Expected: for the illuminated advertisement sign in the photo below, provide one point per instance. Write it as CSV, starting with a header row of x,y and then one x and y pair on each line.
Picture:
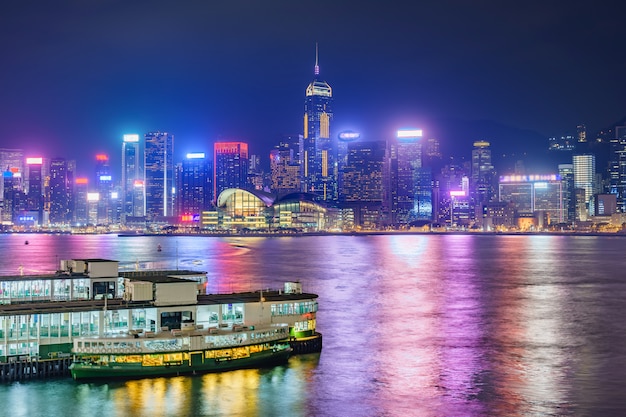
x,y
349,135
138,183
93,197
105,178
409,133
81,181
195,155
102,157
131,138
459,193
26,218
530,178
190,218
34,161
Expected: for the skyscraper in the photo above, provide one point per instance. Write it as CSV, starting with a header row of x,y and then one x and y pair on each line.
x,y
319,159
60,192
194,191
483,187
159,174
230,161
584,175
131,172
34,202
285,165
11,160
104,186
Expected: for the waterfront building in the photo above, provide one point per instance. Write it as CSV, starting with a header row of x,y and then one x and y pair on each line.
x,y
605,204
402,179
195,188
34,200
231,163
60,192
345,139
11,160
80,210
104,187
617,167
362,183
159,175
483,174
13,196
536,195
319,157
285,165
131,173
566,172
584,178
42,315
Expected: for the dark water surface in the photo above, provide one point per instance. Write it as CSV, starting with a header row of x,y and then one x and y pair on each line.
x,y
413,325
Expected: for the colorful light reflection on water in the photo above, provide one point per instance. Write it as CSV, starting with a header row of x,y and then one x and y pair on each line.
x,y
424,325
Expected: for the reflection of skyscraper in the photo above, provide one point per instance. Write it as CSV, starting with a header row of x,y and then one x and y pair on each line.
x,y
230,161
131,172
319,170
159,174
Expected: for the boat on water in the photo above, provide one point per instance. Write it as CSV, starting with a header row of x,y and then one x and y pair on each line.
x,y
190,350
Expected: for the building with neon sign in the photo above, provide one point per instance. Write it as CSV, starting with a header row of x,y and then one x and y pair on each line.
x,y
230,161
194,187
538,195
159,174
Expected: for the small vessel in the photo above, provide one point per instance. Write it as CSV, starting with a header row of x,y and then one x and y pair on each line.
x,y
26,242
189,350
159,248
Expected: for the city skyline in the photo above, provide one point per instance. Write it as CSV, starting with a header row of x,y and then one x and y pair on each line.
x,y
80,76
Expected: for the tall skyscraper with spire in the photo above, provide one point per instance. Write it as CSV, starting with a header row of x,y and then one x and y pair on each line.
x,y
319,159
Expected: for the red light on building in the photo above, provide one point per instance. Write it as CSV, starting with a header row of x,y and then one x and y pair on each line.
x,y
81,181
102,157
14,170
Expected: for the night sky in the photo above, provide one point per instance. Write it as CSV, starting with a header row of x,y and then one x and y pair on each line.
x,y
76,75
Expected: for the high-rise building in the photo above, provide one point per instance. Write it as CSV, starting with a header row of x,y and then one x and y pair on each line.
x,y
584,178
194,191
617,167
80,210
566,172
533,195
34,202
362,185
285,165
319,159
402,182
13,195
131,172
159,174
104,186
345,139
230,162
60,192
483,187
11,160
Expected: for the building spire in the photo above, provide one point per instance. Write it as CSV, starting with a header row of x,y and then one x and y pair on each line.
x,y
317,67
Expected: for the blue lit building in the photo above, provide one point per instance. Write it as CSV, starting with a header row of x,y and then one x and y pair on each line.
x,y
194,191
131,176
319,159
159,174
60,192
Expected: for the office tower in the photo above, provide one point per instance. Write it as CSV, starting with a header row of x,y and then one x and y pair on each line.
x,y
617,167
11,160
345,139
34,200
256,176
194,192
319,170
230,162
285,165
566,172
104,186
483,185
584,176
159,174
60,192
403,162
13,196
362,184
80,210
131,172
537,195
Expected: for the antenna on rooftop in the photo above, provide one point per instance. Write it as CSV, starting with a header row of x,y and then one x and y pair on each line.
x,y
317,67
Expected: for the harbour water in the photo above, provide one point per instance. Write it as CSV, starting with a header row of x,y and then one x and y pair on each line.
x,y
413,325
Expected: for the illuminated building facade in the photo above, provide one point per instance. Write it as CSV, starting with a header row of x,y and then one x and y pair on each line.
x,y
584,178
131,173
362,183
11,160
230,161
13,196
81,190
539,195
402,179
60,191
104,186
285,165
566,172
195,187
617,167
159,174
483,187
319,157
34,201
